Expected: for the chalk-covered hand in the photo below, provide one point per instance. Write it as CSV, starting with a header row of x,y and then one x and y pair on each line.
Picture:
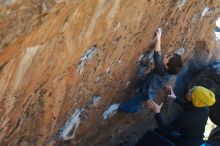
x,y
153,106
158,33
171,95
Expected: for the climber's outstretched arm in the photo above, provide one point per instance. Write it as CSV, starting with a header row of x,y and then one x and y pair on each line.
x,y
158,40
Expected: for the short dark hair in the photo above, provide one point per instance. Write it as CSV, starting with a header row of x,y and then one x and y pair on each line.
x,y
175,64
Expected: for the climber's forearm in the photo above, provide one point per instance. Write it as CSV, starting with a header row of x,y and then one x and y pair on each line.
x,y
158,40
158,46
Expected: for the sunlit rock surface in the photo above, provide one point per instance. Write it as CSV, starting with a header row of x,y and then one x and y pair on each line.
x,y
57,55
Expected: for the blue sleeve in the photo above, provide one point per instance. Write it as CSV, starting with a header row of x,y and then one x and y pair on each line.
x,y
160,68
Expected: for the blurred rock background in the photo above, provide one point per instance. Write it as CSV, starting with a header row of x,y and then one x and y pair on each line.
x,y
56,55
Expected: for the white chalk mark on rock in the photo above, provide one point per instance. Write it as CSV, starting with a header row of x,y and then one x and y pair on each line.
x,y
141,57
87,56
71,126
111,110
218,23
146,58
205,11
128,83
117,26
195,17
181,4
180,51
95,100
98,79
108,69
217,29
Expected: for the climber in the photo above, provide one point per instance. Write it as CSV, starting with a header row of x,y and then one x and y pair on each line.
x,y
165,68
188,127
209,78
198,61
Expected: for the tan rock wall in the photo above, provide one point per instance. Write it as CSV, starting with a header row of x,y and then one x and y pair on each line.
x,y
44,76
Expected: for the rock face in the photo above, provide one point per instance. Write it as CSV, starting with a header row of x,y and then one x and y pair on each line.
x,y
64,62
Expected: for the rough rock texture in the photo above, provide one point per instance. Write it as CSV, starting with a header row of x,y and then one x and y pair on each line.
x,y
56,55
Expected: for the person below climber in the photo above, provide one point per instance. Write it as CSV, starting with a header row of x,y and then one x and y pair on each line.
x,y
188,127
165,68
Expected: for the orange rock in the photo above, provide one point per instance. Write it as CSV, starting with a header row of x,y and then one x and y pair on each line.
x,y
41,45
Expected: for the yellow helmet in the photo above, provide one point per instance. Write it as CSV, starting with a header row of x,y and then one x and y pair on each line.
x,y
202,97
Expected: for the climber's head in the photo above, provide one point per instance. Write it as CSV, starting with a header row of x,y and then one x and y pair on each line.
x,y
173,62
